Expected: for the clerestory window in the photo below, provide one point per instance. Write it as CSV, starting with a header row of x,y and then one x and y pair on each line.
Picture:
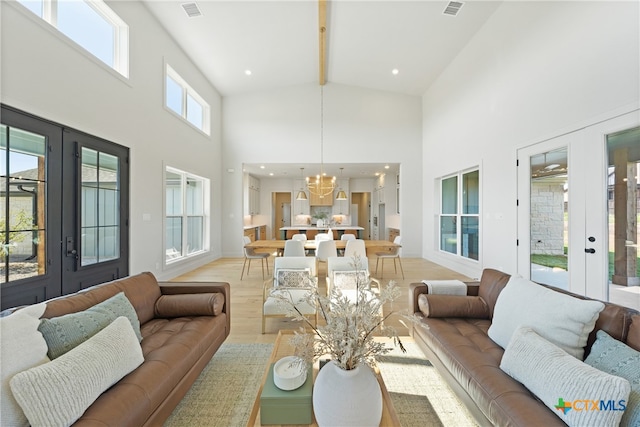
x,y
183,100
92,25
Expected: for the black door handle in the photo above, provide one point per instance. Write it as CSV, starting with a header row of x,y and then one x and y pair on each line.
x,y
590,250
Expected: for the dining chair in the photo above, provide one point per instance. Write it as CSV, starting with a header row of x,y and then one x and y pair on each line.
x,y
249,254
346,236
293,278
323,236
293,248
393,254
325,250
300,236
355,247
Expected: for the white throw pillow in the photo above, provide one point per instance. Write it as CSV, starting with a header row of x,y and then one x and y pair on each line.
x,y
22,347
57,393
562,319
579,394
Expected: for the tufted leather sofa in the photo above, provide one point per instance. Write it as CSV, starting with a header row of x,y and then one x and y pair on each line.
x,y
460,348
178,342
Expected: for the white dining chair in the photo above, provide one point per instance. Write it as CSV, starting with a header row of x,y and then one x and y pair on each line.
x,y
294,248
348,236
355,247
300,236
323,236
249,254
393,254
325,250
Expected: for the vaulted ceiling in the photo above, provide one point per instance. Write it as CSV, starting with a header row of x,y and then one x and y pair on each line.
x,y
247,46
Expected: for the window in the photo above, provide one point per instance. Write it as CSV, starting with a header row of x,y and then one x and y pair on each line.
x,y
186,213
90,24
185,102
459,214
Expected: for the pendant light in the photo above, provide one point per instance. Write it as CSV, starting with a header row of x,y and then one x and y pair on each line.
x,y
322,185
301,194
341,194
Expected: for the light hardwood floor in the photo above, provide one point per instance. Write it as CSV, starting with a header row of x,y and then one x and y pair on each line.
x,y
246,294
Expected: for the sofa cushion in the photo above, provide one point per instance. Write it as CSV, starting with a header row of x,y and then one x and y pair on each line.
x,y
23,347
349,280
616,358
142,291
453,306
562,319
66,332
293,277
58,393
566,385
205,304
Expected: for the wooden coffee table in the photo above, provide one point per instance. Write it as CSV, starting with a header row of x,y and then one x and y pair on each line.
x,y
281,349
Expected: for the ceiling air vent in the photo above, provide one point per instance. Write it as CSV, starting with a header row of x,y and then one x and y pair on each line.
x,y
192,9
453,8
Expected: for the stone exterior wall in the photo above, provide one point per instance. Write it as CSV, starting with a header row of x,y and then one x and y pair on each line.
x,y
547,217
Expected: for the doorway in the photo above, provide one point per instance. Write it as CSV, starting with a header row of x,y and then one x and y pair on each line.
x,y
577,209
64,209
361,212
282,214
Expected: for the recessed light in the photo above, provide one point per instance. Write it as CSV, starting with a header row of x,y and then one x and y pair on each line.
x,y
395,71
247,72
270,173
386,166
262,166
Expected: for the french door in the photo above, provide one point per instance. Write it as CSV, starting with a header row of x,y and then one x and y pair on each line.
x,y
568,221
64,209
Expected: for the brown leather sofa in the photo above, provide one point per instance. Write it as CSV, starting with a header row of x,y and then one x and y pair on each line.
x,y
177,344
459,347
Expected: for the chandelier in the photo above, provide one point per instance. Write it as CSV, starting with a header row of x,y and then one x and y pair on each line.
x,y
321,185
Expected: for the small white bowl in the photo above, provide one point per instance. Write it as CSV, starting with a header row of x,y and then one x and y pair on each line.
x,y
287,374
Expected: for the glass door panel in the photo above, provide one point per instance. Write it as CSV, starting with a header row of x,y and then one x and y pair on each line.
x,y
549,200
99,207
623,149
22,204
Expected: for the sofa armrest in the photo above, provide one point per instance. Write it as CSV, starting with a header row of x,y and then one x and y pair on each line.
x,y
415,289
176,288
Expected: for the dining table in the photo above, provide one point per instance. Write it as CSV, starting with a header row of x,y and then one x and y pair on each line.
x,y
371,246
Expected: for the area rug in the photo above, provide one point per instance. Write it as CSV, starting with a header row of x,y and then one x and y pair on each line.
x,y
224,393
420,396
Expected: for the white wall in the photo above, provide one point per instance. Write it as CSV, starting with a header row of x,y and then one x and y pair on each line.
x,y
283,126
535,70
46,75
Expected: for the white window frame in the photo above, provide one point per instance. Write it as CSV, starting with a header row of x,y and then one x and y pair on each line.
x,y
172,256
187,90
120,31
459,214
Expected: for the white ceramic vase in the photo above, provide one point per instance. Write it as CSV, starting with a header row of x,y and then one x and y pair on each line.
x,y
347,398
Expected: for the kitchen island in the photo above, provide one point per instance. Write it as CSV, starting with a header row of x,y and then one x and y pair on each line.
x,y
312,230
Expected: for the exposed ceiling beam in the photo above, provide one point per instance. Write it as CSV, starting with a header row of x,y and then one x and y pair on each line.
x,y
322,25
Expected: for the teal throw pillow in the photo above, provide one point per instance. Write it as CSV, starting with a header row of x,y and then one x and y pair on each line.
x,y
66,332
616,358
